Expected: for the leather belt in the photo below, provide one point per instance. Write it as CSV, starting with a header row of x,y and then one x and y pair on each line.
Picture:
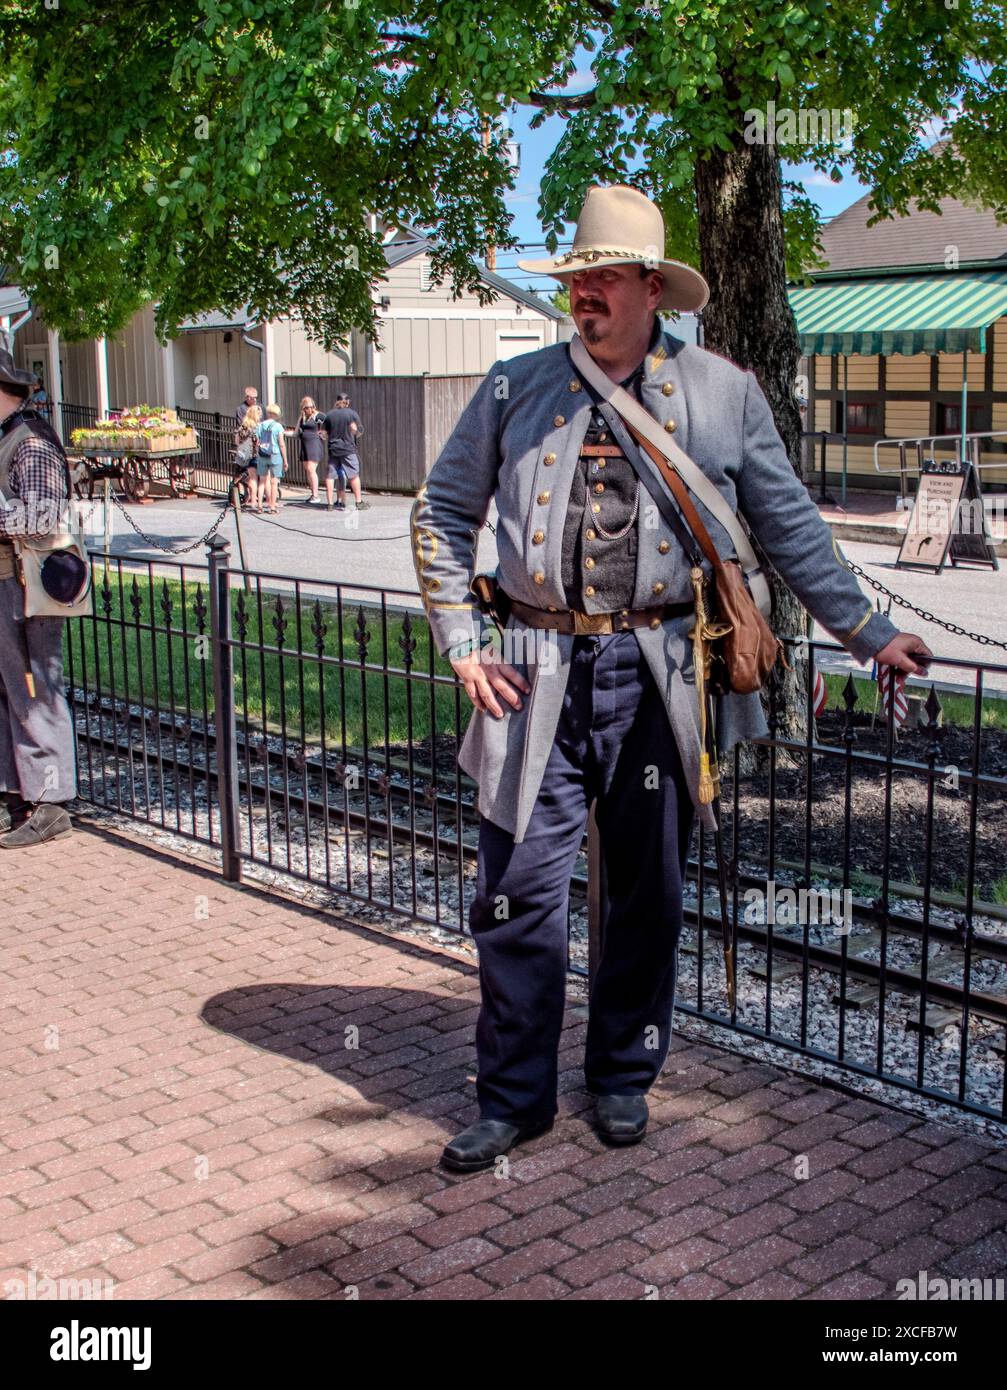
x,y
573,620
609,451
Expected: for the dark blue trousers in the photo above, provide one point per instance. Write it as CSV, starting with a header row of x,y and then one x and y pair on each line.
x,y
613,743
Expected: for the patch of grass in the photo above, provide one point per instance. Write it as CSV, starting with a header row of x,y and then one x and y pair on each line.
x,y
958,709
998,890
296,665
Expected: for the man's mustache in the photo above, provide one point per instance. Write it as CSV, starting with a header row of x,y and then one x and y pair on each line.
x,y
591,306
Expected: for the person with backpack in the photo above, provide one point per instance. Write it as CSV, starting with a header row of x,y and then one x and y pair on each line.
x,y
271,459
246,437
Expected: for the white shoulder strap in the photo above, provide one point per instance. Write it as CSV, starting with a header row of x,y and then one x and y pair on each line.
x,y
689,472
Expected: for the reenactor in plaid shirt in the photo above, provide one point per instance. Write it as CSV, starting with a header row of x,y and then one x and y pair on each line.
x,y
37,773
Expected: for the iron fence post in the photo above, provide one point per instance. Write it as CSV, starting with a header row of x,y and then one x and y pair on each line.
x,y
218,559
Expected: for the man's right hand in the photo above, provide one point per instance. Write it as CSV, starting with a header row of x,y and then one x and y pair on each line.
x,y
484,679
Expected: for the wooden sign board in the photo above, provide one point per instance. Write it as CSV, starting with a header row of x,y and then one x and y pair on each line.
x,y
948,520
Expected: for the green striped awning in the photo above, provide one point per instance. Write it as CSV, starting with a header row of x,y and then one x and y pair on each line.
x,y
900,313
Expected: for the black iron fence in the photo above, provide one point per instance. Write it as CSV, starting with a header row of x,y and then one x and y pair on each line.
x,y
76,417
214,469
311,728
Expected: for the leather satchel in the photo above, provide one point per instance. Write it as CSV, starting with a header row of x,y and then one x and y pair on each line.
x,y
55,576
744,655
52,567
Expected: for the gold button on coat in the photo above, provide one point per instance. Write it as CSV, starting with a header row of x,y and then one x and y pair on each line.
x,y
589,590
559,420
539,577
668,388
589,563
670,426
549,458
591,533
542,497
664,547
655,622
658,588
595,507
538,538
599,487
575,385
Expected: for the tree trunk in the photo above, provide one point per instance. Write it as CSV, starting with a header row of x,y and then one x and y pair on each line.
x,y
748,319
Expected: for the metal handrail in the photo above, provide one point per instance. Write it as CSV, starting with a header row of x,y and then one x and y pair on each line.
x,y
929,442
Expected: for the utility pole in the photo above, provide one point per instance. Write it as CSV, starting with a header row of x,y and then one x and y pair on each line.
x,y
491,251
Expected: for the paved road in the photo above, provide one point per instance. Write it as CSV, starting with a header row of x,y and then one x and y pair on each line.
x,y
366,548
372,548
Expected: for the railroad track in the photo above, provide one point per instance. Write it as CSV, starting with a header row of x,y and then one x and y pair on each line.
x,y
320,795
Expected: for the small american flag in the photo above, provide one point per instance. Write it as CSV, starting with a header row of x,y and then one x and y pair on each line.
x,y
885,688
819,696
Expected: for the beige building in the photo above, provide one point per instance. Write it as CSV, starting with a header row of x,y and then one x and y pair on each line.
x,y
424,332
907,324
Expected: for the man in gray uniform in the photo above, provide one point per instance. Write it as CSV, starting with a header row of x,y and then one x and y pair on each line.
x,y
591,559
37,770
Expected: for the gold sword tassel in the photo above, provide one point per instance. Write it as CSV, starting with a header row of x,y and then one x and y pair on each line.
x,y
704,632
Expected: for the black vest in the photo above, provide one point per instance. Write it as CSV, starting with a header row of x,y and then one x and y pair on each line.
x,y
604,498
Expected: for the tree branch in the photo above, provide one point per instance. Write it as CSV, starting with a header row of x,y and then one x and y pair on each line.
x,y
583,101
403,38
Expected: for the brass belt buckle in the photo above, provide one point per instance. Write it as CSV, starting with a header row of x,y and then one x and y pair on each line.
x,y
586,623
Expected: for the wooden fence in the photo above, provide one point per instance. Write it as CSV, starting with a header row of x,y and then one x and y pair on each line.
x,y
406,419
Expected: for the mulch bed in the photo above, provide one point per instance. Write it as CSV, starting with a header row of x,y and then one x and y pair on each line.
x,y
951,836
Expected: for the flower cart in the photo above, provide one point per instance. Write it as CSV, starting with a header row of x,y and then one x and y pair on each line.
x,y
135,447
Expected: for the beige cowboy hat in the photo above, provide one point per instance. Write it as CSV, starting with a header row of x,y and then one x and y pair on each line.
x,y
619,225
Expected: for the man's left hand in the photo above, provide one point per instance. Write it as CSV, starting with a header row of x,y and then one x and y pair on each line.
x,y
901,651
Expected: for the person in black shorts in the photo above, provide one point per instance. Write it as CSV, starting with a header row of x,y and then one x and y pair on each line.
x,y
344,429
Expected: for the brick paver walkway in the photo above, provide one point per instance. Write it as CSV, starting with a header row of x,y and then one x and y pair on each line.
x,y
184,1113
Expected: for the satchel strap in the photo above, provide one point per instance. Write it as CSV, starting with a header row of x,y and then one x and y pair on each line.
x,y
682,498
643,423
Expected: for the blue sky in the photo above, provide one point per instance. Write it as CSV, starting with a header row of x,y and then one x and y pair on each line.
x,y
536,146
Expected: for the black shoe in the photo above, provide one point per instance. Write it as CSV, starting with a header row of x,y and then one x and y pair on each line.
x,y
13,810
621,1119
46,822
481,1144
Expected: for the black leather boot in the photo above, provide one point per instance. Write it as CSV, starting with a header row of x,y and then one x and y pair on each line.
x,y
482,1143
621,1119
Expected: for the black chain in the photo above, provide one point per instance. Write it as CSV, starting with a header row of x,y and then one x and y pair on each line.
x,y
177,549
979,637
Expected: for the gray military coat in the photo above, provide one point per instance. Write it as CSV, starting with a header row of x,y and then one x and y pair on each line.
x,y
518,440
